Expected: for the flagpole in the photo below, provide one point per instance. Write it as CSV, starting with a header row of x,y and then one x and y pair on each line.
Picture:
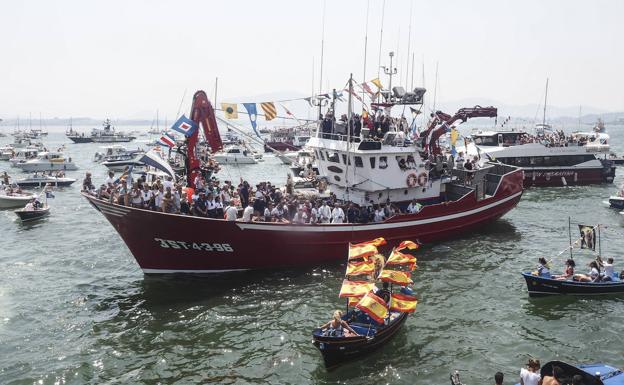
x,y
365,50
383,11
322,51
435,89
570,234
349,125
409,41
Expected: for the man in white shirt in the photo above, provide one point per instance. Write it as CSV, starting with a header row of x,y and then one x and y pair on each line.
x,y
337,214
313,214
380,214
324,213
230,213
168,183
248,213
110,181
608,269
414,207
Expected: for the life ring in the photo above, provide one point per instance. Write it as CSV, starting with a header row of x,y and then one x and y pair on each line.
x,y
412,179
422,179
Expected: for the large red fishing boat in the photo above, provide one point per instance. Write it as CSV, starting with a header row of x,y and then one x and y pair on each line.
x,y
358,169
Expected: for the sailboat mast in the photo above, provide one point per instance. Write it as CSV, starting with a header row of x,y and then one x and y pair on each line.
x,y
365,50
322,51
349,127
545,100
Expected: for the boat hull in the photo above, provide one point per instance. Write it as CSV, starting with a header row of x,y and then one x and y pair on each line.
x,y
170,243
548,177
35,167
7,202
113,139
616,202
336,351
59,182
542,286
235,160
26,216
81,139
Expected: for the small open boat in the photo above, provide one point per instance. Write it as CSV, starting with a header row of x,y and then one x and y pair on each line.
x,y
375,317
542,286
589,374
42,180
8,201
31,215
617,202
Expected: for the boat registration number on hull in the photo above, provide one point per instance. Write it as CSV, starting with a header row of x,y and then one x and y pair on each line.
x,y
181,245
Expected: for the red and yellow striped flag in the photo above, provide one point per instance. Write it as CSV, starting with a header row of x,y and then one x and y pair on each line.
x,y
374,306
353,301
403,303
398,258
270,112
362,250
355,288
360,268
407,244
375,242
394,276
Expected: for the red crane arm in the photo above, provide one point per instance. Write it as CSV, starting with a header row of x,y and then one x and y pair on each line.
x,y
203,115
462,114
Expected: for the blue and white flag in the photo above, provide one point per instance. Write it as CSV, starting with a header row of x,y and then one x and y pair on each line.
x,y
49,195
185,126
253,115
151,158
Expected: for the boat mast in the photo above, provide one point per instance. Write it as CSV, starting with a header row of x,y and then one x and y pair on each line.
x,y
545,100
322,51
383,11
349,125
409,41
365,49
570,234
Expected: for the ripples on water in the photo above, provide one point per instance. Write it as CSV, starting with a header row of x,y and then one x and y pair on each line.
x,y
75,308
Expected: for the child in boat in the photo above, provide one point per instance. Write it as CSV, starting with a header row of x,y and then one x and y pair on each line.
x,y
542,268
338,327
593,276
569,271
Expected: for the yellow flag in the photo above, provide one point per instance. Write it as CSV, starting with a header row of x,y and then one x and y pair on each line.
x,y
374,306
360,268
394,276
377,83
355,288
269,110
454,135
361,251
403,303
230,110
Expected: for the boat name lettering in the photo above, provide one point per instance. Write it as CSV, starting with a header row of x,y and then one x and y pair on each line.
x,y
170,244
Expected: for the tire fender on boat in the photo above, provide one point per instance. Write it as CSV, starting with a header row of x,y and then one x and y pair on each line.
x,y
412,179
422,179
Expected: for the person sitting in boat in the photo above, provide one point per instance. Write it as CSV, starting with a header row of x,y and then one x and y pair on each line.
x,y
30,206
542,268
592,276
414,207
384,292
555,378
569,271
338,327
608,270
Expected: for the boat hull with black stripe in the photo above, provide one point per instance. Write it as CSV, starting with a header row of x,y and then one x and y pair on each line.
x,y
543,286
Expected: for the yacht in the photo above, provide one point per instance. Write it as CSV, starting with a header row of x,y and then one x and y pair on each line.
x,y
236,155
48,161
24,155
117,157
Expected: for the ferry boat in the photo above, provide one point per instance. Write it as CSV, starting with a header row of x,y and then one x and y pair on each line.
x,y
359,170
579,159
48,161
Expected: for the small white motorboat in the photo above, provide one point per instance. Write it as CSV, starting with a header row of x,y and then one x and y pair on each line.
x,y
235,155
23,155
12,200
42,180
48,161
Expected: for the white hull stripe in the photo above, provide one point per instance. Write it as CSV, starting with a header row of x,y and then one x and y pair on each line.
x,y
112,213
377,226
172,271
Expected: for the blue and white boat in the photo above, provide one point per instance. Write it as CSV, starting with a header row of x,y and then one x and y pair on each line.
x,y
546,285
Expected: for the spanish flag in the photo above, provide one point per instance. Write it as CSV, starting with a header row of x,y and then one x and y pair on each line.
x,y
407,244
403,303
360,268
394,276
355,288
353,301
375,242
269,110
374,306
230,110
377,83
361,251
398,258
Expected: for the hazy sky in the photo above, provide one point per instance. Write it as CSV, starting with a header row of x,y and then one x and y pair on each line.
x,y
129,58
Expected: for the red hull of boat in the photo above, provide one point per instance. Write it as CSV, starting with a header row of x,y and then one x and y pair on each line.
x,y
573,177
170,243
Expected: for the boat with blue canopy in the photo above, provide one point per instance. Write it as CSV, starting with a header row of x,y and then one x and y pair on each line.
x,y
373,315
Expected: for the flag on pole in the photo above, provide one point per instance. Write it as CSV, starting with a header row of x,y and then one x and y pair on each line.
x,y
360,268
367,88
374,306
407,244
403,303
270,112
151,158
377,83
49,195
588,237
355,288
230,110
398,258
395,276
375,242
185,126
454,136
167,140
253,116
361,251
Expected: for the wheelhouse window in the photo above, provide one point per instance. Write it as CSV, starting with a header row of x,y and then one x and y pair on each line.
x,y
320,153
383,162
333,157
372,161
358,161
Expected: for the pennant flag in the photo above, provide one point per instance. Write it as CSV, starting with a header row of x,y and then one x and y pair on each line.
x,y
360,268
151,158
230,110
309,100
377,83
185,126
253,116
49,194
355,95
167,140
588,237
363,251
407,244
355,288
415,111
394,276
398,258
454,136
367,88
375,242
403,303
338,95
269,110
374,306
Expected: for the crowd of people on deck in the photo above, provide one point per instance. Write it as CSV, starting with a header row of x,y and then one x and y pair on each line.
x,y
378,125
556,138
599,271
212,199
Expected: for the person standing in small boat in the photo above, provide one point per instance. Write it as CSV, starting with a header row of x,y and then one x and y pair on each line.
x,y
530,375
337,326
608,270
